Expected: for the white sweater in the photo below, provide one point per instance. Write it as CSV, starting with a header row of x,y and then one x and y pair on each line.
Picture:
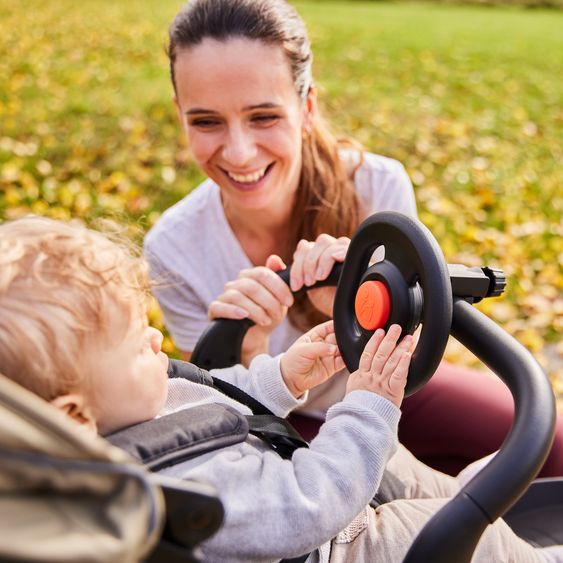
x,y
193,250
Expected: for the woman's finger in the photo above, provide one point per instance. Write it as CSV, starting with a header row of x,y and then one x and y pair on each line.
x,y
270,281
297,274
311,259
336,252
275,263
225,304
221,310
262,307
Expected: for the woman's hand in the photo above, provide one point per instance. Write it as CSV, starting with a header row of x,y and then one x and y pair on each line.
x,y
311,359
384,365
312,262
260,295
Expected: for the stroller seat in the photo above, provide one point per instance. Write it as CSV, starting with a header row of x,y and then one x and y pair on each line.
x,y
67,496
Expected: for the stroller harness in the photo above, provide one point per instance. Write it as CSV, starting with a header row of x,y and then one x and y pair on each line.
x,y
191,432
195,431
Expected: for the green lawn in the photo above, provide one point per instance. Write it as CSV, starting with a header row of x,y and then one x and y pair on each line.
x,y
469,98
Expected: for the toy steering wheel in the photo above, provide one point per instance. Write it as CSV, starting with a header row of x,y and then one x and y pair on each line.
x,y
411,285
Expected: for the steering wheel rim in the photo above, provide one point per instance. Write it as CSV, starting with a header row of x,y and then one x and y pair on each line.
x,y
412,251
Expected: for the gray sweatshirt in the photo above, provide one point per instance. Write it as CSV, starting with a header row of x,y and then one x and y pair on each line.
x,y
276,508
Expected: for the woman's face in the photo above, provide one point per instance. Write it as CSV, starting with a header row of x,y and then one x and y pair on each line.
x,y
243,120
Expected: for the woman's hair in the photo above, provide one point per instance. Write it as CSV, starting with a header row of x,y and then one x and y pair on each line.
x,y
326,200
61,285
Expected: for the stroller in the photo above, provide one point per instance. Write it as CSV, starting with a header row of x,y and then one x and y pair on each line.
x,y
69,497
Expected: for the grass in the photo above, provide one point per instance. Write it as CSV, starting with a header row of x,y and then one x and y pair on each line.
x,y
468,98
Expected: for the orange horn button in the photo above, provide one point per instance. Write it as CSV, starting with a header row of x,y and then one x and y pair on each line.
x,y
372,305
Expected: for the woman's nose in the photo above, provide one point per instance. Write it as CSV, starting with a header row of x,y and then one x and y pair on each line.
x,y
239,148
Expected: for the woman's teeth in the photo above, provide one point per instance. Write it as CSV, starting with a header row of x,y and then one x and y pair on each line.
x,y
248,178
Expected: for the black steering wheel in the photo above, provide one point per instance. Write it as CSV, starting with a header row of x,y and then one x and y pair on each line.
x,y
410,286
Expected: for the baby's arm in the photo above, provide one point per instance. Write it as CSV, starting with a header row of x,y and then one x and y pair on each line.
x,y
281,508
311,359
281,383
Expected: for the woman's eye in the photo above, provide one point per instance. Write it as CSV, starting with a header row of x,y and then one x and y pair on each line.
x,y
204,123
265,119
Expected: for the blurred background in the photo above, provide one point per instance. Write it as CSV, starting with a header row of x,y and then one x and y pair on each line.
x,y
469,96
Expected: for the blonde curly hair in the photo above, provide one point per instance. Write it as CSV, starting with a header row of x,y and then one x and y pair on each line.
x,y
60,286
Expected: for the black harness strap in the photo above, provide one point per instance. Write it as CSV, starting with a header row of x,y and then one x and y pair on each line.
x,y
277,432
241,396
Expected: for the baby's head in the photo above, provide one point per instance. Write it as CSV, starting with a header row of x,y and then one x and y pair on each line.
x,y
73,326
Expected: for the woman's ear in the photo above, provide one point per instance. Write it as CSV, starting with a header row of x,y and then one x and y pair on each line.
x,y
310,109
74,406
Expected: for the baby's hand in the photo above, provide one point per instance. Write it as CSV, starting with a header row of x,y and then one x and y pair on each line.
x,y
384,365
311,359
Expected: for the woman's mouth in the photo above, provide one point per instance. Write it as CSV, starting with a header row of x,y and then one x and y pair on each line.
x,y
251,179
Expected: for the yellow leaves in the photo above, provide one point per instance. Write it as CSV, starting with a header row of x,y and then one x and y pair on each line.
x,y
156,319
519,113
530,129
12,196
44,167
530,339
88,128
116,181
168,174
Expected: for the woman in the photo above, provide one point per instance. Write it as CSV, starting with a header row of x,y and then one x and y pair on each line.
x,y
281,189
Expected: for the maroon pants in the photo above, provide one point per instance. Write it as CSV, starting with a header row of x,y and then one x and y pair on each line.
x,y
459,416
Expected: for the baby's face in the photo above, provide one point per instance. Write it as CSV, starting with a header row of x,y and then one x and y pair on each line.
x,y
129,376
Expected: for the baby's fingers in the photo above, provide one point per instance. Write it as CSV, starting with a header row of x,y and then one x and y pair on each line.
x,y
385,349
318,350
404,346
370,350
398,378
323,331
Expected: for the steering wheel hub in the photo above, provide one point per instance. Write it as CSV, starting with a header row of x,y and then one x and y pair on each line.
x,y
372,305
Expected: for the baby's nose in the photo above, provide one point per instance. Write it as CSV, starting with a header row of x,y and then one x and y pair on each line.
x,y
156,338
